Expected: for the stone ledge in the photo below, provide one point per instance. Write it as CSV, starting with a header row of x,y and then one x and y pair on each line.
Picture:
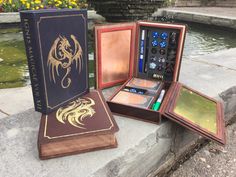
x,y
14,17
2,115
144,149
19,156
156,148
183,152
198,17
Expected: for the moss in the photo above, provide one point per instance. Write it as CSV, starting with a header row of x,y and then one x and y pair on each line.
x,y
91,82
12,53
10,30
13,64
11,73
91,66
11,84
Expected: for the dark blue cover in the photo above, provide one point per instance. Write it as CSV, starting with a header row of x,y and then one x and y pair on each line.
x,y
56,47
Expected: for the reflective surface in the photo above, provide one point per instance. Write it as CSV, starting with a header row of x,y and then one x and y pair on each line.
x,y
202,40
115,55
133,99
13,64
143,83
197,109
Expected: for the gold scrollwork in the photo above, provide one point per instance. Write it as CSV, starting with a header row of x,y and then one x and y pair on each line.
x,y
76,111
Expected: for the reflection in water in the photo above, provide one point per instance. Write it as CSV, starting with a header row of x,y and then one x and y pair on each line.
x,y
197,109
202,39
13,66
13,63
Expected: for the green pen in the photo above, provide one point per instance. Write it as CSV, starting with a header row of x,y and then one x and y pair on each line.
x,y
157,105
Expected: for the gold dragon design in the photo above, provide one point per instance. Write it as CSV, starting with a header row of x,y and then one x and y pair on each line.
x,y
76,111
63,55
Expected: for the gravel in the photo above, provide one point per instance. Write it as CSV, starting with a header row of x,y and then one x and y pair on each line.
x,y
212,160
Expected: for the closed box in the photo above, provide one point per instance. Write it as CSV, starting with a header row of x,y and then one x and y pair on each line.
x,y
56,48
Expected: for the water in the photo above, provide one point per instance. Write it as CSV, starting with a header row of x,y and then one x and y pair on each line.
x,y
13,65
203,39
200,40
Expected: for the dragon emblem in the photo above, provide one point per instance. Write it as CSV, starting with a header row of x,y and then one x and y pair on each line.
x,y
62,55
76,111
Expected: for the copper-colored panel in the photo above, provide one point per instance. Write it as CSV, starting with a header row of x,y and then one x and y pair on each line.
x,y
144,84
132,99
115,55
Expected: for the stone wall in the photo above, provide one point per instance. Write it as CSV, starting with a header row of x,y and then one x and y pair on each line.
x,y
197,3
123,10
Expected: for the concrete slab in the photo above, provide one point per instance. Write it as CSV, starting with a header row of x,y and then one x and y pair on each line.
x,y
144,148
211,74
223,12
137,142
207,78
224,58
2,115
14,17
224,17
229,98
212,160
15,100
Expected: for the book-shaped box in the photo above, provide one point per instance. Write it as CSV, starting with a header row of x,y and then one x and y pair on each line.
x,y
146,57
85,124
56,48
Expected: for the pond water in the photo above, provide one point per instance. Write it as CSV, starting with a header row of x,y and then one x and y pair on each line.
x,y
200,40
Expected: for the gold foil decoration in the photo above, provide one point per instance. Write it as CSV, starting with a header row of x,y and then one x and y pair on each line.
x,y
197,109
76,111
62,55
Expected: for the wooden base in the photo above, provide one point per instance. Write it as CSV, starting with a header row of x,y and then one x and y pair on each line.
x,y
75,146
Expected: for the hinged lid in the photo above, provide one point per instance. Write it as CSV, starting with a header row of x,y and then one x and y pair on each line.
x,y
118,52
196,112
114,53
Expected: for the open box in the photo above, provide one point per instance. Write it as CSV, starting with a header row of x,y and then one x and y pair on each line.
x,y
145,57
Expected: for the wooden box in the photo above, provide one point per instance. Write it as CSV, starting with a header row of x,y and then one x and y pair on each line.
x,y
75,119
140,55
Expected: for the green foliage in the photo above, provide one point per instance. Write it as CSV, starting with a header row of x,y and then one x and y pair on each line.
x,y
17,5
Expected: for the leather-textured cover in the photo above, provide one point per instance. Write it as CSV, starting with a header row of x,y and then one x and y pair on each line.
x,y
56,47
86,116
